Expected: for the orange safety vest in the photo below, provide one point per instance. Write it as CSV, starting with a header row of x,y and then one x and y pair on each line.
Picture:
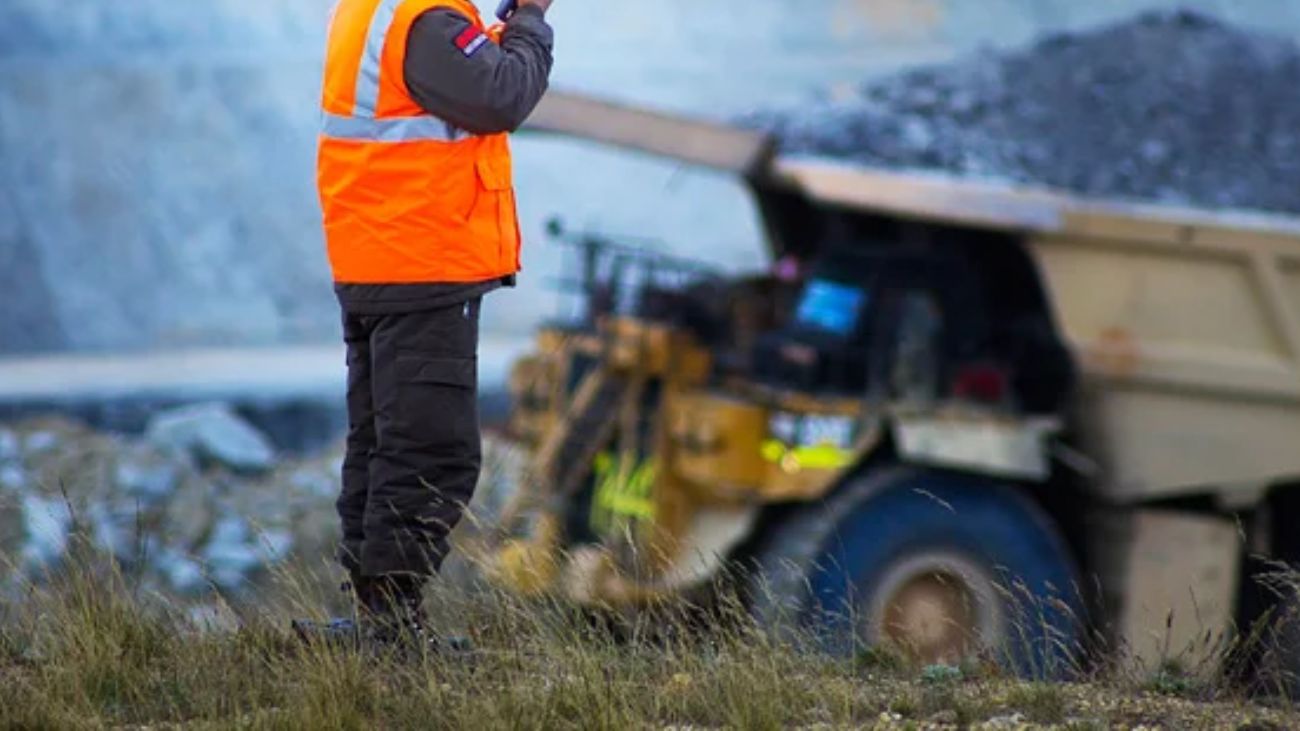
x,y
407,197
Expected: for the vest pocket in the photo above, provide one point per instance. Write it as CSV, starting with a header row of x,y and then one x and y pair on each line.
x,y
497,178
493,174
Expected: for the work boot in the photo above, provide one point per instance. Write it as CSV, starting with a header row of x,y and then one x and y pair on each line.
x,y
394,617
394,620
340,632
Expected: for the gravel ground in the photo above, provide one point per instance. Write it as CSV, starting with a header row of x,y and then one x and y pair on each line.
x,y
1174,107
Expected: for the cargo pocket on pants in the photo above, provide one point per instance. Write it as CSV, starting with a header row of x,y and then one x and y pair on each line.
x,y
438,391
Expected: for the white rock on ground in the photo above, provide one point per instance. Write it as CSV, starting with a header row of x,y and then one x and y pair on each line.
x,y
40,442
145,475
213,433
10,448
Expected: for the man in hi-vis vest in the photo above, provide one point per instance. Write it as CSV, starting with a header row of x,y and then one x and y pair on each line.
x,y
415,183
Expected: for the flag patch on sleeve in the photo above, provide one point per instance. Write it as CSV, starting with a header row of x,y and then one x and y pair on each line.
x,y
470,40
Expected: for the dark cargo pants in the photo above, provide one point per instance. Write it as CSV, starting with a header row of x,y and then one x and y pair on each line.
x,y
413,451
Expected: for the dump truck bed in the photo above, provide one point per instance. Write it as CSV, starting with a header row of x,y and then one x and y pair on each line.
x,y
1185,323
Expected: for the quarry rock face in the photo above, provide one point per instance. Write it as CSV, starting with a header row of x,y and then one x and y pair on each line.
x,y
156,175
1173,107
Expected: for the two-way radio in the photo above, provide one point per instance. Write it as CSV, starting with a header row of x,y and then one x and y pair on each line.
x,y
506,9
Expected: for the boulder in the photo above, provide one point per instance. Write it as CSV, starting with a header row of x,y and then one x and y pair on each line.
x,y
213,434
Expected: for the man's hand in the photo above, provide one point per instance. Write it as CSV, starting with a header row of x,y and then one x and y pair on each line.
x,y
542,5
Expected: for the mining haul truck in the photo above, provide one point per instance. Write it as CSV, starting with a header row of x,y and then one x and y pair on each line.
x,y
956,418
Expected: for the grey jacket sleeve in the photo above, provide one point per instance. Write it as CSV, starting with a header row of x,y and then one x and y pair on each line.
x,y
475,84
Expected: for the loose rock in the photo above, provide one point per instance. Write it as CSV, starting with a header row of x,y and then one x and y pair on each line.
x,y
213,433
12,477
40,442
145,475
47,522
10,449
1173,107
180,525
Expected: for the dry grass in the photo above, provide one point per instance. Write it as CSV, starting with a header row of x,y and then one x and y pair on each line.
x,y
87,651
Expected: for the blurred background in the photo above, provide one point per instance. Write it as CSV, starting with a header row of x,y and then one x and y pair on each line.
x,y
160,246
157,158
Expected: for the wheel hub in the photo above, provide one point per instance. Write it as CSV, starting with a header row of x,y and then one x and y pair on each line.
x,y
933,617
937,607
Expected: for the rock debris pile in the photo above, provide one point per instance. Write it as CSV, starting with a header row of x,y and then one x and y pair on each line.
x,y
1174,107
199,501
183,507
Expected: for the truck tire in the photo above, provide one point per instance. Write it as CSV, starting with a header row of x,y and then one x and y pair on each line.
x,y
939,566
1279,671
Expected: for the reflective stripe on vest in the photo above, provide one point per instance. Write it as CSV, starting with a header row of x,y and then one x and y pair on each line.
x,y
362,125
405,129
368,77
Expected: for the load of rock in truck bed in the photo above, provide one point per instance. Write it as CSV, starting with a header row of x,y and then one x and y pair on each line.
x,y
1170,107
